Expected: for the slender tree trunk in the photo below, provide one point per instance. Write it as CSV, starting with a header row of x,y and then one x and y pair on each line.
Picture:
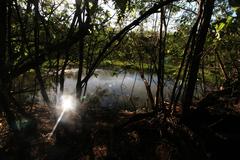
x,y
226,77
42,86
5,81
161,56
62,74
37,68
184,64
84,20
79,85
149,92
203,77
3,44
160,62
57,73
197,55
9,29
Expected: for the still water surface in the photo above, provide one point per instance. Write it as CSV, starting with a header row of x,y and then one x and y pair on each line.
x,y
111,88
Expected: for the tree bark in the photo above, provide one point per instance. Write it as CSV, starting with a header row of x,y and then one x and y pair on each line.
x,y
37,68
5,80
161,56
79,85
197,55
66,50
84,27
221,65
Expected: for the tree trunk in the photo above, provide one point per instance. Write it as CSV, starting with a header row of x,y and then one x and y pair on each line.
x,y
221,65
37,68
5,80
79,85
197,55
161,56
62,74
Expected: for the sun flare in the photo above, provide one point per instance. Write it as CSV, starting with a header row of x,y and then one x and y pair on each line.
x,y
67,103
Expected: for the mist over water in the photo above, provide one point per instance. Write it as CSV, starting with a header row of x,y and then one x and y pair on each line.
x,y
111,87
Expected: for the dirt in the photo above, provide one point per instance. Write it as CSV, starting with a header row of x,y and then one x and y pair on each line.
x,y
210,132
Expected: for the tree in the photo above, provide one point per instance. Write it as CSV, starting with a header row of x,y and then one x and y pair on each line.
x,y
5,81
197,44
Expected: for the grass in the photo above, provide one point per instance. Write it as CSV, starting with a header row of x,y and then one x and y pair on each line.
x,y
171,69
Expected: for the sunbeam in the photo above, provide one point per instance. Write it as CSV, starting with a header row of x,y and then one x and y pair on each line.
x,y
67,103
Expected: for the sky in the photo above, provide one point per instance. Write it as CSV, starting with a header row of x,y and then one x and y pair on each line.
x,y
147,24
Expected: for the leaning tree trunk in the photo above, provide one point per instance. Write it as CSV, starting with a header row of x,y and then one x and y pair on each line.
x,y
207,9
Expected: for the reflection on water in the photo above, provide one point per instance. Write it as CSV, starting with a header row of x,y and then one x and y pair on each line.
x,y
110,89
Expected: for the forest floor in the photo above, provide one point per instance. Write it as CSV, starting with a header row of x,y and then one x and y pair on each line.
x,y
212,131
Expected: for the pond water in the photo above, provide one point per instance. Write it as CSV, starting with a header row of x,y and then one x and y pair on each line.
x,y
111,87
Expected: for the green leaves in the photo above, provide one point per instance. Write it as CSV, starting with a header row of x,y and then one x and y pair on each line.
x,y
220,26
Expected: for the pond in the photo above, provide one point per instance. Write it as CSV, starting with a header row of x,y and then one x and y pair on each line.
x,y
113,88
